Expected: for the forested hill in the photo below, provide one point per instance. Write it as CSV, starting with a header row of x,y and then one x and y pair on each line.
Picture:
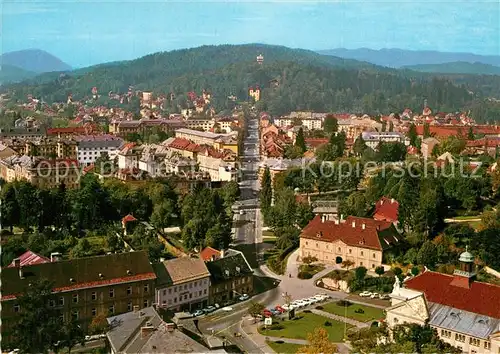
x,y
457,67
307,80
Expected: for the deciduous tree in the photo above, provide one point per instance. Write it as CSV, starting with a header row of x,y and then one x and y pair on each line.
x,y
318,343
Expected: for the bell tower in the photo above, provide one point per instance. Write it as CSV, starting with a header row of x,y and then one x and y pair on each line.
x,y
463,276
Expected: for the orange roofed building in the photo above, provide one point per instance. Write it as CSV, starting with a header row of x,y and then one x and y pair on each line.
x,y
464,312
360,240
386,209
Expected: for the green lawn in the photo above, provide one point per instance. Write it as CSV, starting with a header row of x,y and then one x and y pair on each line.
x,y
468,217
370,313
284,348
305,323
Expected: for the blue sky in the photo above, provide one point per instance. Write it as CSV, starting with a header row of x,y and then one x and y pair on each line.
x,y
83,33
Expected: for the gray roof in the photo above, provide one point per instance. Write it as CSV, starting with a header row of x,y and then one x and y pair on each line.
x,y
461,321
94,141
125,335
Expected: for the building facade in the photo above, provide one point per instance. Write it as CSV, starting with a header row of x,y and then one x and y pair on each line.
x,y
182,284
91,147
464,312
231,277
359,240
83,287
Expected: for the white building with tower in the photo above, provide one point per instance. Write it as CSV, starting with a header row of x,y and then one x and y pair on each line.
x,y
465,312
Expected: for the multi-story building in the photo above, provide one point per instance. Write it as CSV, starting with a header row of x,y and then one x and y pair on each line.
x,y
464,312
254,92
182,284
83,287
373,139
217,141
23,133
6,151
200,123
360,240
43,173
124,127
353,127
231,276
91,147
129,156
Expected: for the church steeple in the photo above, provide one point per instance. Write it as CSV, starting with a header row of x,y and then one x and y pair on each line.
x,y
463,277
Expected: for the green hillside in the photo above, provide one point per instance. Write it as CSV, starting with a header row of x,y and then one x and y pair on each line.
x,y
9,74
458,67
307,80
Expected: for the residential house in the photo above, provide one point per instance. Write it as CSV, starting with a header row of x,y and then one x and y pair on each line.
x,y
83,287
144,331
28,258
463,311
360,240
129,156
354,126
231,276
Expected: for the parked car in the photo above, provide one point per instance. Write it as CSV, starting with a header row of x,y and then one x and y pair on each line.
x,y
275,312
287,307
279,308
365,294
385,297
314,300
243,297
209,309
374,295
198,313
227,308
267,313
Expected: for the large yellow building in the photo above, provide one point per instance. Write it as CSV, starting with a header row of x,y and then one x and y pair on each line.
x,y
359,240
43,173
217,141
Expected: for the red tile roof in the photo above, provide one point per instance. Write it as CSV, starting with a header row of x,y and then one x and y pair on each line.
x,y
208,252
70,130
93,284
386,210
29,258
351,232
481,298
449,130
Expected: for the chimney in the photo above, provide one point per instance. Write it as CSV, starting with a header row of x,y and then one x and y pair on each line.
x,y
222,253
337,222
322,218
136,308
341,217
226,272
382,202
363,226
170,326
354,224
17,262
212,258
392,200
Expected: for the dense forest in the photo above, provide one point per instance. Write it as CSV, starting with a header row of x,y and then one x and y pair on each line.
x,y
302,80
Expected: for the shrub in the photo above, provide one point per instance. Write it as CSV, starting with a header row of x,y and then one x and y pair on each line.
x,y
397,271
328,324
359,311
414,270
276,326
379,270
307,311
304,275
319,307
344,303
374,324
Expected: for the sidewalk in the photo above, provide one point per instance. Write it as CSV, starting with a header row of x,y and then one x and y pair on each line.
x,y
340,318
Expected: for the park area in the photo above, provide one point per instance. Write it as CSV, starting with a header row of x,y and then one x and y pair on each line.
x,y
303,324
357,312
281,347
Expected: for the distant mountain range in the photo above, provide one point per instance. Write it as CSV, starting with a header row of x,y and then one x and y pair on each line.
x,y
458,67
23,64
290,79
397,58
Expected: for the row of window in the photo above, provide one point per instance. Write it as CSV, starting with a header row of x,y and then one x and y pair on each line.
x,y
75,297
185,286
461,338
190,295
111,310
340,250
